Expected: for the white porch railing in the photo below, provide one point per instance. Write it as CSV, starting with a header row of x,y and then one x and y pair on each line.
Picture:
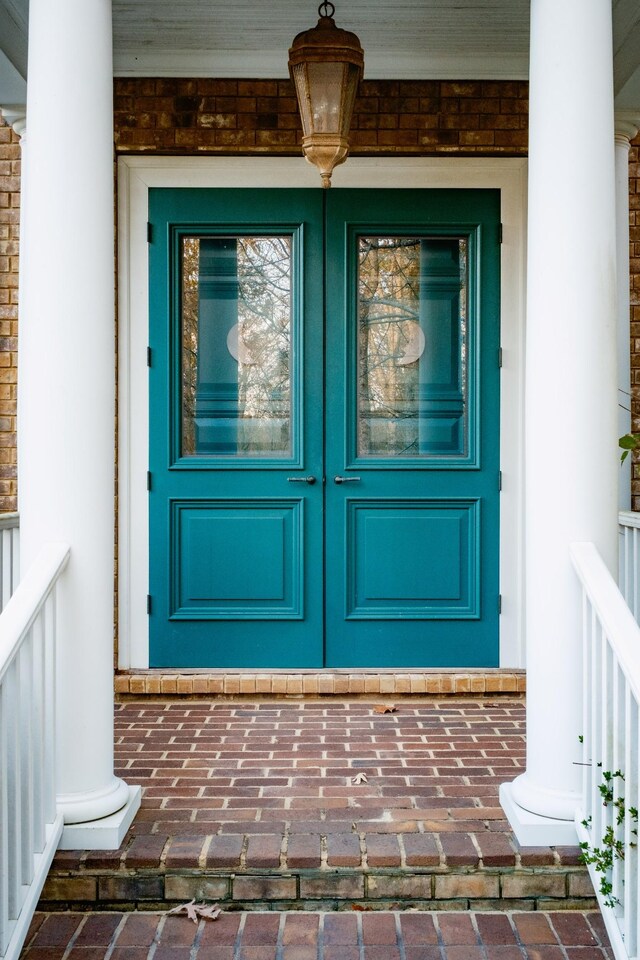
x,y
610,795
629,559
30,825
9,556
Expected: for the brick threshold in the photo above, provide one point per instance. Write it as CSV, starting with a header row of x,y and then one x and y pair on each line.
x,y
319,683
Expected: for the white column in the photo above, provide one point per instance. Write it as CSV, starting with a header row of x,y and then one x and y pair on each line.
x,y
627,123
571,420
66,385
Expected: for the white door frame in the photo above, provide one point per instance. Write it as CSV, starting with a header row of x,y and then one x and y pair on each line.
x,y
135,176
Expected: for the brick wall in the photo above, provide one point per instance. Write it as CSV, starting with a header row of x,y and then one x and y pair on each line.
x,y
9,228
261,116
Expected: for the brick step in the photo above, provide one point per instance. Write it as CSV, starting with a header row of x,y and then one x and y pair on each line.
x,y
559,887
318,683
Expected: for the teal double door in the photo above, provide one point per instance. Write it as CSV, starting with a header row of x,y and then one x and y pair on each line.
x,y
324,445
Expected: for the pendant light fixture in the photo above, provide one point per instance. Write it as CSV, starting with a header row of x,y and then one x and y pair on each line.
x,y
326,64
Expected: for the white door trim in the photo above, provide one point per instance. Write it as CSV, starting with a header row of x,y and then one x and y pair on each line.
x,y
135,176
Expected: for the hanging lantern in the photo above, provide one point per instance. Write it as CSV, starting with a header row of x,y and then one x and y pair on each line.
x,y
326,64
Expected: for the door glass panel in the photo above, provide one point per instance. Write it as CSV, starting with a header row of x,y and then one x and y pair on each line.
x,y
236,301
412,347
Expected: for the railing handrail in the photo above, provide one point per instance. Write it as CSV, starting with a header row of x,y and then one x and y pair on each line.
x,y
28,599
629,518
609,604
9,520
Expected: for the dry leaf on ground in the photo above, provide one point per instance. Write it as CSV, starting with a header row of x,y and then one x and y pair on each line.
x,y
209,911
384,708
358,779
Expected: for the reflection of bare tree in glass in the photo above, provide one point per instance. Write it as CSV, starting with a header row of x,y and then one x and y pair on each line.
x,y
264,344
190,279
389,299
391,340
264,329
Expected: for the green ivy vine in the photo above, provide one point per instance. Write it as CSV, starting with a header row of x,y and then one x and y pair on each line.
x,y
602,858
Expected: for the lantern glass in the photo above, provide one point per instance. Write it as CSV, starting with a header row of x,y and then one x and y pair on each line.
x,y
325,94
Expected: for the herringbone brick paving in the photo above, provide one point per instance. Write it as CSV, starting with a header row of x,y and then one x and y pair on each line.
x,y
291,801
319,936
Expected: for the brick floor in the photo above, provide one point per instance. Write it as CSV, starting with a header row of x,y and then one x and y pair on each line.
x,y
319,936
267,788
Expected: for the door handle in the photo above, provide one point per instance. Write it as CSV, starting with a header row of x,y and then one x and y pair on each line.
x,y
309,480
346,479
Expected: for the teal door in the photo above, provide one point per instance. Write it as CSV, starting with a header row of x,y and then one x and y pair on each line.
x,y
324,447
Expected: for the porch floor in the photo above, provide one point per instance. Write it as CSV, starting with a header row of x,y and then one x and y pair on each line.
x,y
319,936
320,805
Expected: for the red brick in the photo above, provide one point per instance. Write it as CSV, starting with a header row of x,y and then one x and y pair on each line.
x,y
533,928
260,928
301,929
456,929
382,850
57,929
340,929
458,849
494,928
145,851
303,851
572,929
139,930
379,928
343,850
264,851
98,929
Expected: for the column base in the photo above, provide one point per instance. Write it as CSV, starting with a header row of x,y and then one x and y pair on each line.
x,y
531,829
106,833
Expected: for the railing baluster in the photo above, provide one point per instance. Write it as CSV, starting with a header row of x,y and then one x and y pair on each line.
x,y
30,825
13,784
9,556
4,821
38,819
25,656
630,923
617,763
49,709
611,682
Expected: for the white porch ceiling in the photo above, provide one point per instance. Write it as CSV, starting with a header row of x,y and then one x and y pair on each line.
x,y
403,39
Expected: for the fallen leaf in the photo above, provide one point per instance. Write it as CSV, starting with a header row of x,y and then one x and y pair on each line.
x,y
358,779
384,708
194,910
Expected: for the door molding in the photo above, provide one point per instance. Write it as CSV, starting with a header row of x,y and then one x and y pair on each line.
x,y
136,175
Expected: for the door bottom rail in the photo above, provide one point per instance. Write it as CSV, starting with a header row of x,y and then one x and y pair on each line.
x,y
318,683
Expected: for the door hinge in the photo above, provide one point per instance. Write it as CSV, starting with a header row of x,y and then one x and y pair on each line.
x,y
501,233
148,356
149,481
499,603
499,357
148,604
149,232
499,479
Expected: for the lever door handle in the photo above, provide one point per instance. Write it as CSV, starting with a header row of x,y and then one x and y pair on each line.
x,y
309,480
346,479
